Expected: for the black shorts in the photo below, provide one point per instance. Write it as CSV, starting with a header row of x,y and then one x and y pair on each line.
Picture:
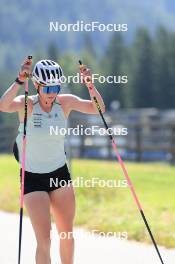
x,y
46,181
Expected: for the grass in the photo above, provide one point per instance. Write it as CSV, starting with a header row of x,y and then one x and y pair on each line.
x,y
111,209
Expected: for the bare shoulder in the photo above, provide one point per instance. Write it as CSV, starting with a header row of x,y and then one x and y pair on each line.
x,y
66,101
67,98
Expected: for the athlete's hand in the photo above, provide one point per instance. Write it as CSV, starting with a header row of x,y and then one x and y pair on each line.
x,y
25,70
86,75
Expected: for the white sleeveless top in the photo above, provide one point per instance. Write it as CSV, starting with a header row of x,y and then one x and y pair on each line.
x,y
44,150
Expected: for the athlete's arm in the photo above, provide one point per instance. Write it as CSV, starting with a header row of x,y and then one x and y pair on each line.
x,y
10,102
87,106
71,102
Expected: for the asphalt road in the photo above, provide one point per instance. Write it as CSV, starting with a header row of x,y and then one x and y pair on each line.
x,y
89,249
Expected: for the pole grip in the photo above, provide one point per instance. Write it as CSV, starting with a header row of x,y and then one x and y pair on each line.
x,y
88,81
29,58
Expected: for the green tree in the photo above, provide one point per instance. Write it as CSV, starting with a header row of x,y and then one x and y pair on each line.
x,y
142,70
88,45
53,53
112,64
165,69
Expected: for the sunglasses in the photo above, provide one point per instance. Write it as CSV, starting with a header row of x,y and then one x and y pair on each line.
x,y
51,89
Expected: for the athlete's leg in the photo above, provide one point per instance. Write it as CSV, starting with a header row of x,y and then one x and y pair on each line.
x,y
38,208
63,207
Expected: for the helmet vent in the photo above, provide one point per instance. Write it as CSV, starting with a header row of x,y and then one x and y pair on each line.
x,y
57,72
48,62
61,73
53,73
48,73
43,63
36,71
43,75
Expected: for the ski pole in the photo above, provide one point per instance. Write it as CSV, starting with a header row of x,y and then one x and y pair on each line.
x,y
23,167
122,165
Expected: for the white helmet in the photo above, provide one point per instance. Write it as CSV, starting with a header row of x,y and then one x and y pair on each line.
x,y
47,72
